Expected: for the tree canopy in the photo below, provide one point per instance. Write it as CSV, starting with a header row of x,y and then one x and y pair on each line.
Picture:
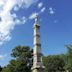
x,y
0,68
69,58
54,63
22,61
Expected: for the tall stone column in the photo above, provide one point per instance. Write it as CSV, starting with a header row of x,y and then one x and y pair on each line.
x,y
37,60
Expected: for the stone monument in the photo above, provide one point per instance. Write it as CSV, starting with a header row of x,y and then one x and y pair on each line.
x,y
37,55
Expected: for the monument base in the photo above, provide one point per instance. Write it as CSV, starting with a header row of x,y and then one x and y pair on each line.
x,y
38,69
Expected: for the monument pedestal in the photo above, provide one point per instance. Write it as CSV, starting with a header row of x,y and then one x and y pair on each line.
x,y
38,69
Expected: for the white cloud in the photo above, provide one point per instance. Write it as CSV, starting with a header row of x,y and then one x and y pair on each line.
x,y
24,19
55,21
16,8
21,21
40,5
2,56
43,9
23,3
28,3
32,16
51,11
8,20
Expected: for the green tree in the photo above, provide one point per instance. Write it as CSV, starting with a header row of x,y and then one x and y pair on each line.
x,y
6,69
54,63
22,61
23,55
69,58
0,68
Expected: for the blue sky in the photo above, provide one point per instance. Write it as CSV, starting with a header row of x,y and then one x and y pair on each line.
x,y
16,25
